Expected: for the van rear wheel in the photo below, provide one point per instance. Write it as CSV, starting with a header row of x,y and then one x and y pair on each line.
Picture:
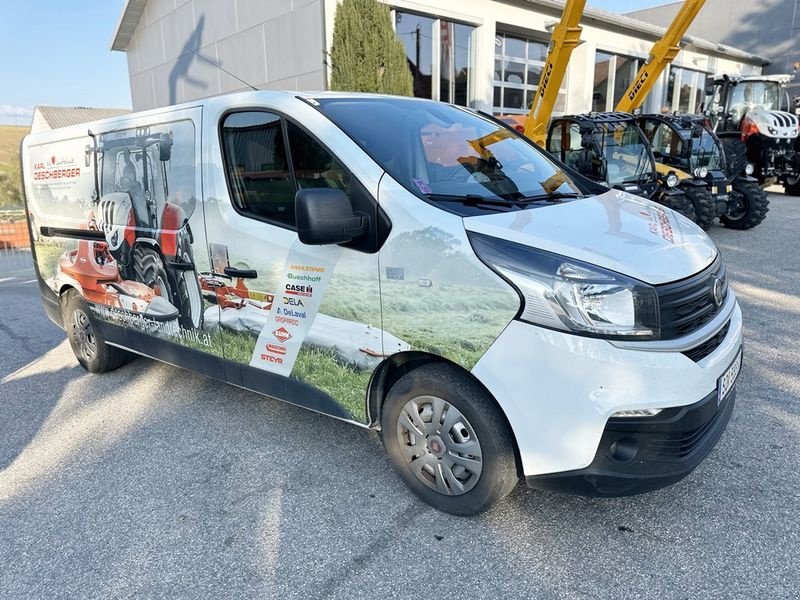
x,y
86,341
448,440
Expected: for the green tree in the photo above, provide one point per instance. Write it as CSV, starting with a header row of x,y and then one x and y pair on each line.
x,y
366,55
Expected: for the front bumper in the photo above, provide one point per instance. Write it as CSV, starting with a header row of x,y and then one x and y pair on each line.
x,y
559,391
643,454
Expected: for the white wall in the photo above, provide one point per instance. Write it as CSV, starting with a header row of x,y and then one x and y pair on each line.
x,y
271,44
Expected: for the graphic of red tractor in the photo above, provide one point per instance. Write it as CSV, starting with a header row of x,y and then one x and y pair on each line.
x,y
147,235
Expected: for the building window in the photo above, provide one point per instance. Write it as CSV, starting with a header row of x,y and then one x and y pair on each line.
x,y
518,64
438,50
685,90
613,74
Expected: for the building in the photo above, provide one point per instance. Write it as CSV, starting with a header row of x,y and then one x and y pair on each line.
x,y
46,118
487,54
769,28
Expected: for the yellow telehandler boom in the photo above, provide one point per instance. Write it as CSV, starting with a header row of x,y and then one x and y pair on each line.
x,y
566,37
663,53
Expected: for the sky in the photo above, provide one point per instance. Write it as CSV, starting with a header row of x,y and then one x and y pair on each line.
x,y
57,53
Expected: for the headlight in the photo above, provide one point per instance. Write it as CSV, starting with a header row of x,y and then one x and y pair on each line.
x,y
701,172
749,169
567,294
672,180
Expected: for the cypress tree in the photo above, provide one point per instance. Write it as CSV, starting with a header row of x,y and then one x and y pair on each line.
x,y
366,55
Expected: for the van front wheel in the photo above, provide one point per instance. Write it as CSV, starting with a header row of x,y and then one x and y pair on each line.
x,y
448,440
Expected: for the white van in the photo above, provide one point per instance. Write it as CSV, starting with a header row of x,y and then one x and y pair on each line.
x,y
409,266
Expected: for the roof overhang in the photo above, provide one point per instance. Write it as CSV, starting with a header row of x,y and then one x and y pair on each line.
x,y
127,24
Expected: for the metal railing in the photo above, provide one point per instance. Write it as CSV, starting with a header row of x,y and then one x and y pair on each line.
x,y
15,243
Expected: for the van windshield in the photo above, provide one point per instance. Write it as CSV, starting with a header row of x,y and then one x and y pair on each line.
x,y
438,150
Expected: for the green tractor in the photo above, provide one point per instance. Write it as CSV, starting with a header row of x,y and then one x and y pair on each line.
x,y
610,148
686,145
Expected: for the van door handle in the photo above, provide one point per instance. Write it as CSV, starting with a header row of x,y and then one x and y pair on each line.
x,y
243,273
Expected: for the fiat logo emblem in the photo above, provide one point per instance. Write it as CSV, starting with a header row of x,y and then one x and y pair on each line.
x,y
718,291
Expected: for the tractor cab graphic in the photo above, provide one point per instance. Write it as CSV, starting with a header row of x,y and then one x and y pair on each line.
x,y
147,238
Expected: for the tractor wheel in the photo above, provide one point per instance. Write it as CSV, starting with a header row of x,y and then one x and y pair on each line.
x,y
735,156
148,268
792,189
751,207
188,296
705,209
680,203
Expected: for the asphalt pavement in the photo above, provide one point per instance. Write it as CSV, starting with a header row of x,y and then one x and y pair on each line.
x,y
155,482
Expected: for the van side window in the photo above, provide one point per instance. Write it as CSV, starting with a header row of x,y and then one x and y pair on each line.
x,y
314,167
256,165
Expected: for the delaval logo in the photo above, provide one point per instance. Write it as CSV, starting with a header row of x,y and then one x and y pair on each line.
x,y
282,335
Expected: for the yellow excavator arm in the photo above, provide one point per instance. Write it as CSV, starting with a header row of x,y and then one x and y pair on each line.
x,y
663,53
566,37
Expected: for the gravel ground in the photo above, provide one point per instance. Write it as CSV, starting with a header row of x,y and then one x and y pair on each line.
x,y
155,482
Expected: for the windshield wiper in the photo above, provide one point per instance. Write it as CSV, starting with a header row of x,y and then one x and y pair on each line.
x,y
476,199
554,196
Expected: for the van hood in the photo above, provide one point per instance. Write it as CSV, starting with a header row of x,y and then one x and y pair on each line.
x,y
616,230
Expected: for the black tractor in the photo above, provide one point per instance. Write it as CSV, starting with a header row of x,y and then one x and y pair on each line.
x,y
610,148
753,119
686,145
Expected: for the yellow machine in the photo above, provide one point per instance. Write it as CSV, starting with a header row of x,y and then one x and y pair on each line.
x,y
663,53
566,37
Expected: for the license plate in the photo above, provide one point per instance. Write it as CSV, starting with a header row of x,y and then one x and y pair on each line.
x,y
728,378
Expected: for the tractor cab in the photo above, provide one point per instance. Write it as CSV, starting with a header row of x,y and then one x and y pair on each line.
x,y
606,147
610,148
756,120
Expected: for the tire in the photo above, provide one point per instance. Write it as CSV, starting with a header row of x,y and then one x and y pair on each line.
x,y
680,203
447,480
85,339
754,206
148,268
188,295
705,209
792,190
735,156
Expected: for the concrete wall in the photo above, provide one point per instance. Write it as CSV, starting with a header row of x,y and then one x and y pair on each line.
x,y
769,28
271,44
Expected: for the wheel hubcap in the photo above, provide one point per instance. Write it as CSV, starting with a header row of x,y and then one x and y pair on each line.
x,y
440,445
83,335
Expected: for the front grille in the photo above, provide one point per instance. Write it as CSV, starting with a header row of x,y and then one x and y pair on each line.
x,y
698,353
686,305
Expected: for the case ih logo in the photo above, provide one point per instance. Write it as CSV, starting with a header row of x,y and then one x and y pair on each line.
x,y
282,335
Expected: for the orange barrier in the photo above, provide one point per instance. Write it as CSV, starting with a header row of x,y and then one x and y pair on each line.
x,y
14,234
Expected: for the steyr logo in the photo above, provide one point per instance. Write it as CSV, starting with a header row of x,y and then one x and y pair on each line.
x,y
282,335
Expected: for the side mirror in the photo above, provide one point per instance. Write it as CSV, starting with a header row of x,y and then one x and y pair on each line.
x,y
164,149
709,89
325,216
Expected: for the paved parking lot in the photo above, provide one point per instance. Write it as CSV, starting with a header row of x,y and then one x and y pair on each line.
x,y
155,482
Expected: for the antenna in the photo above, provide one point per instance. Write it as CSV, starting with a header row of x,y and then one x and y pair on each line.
x,y
224,70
